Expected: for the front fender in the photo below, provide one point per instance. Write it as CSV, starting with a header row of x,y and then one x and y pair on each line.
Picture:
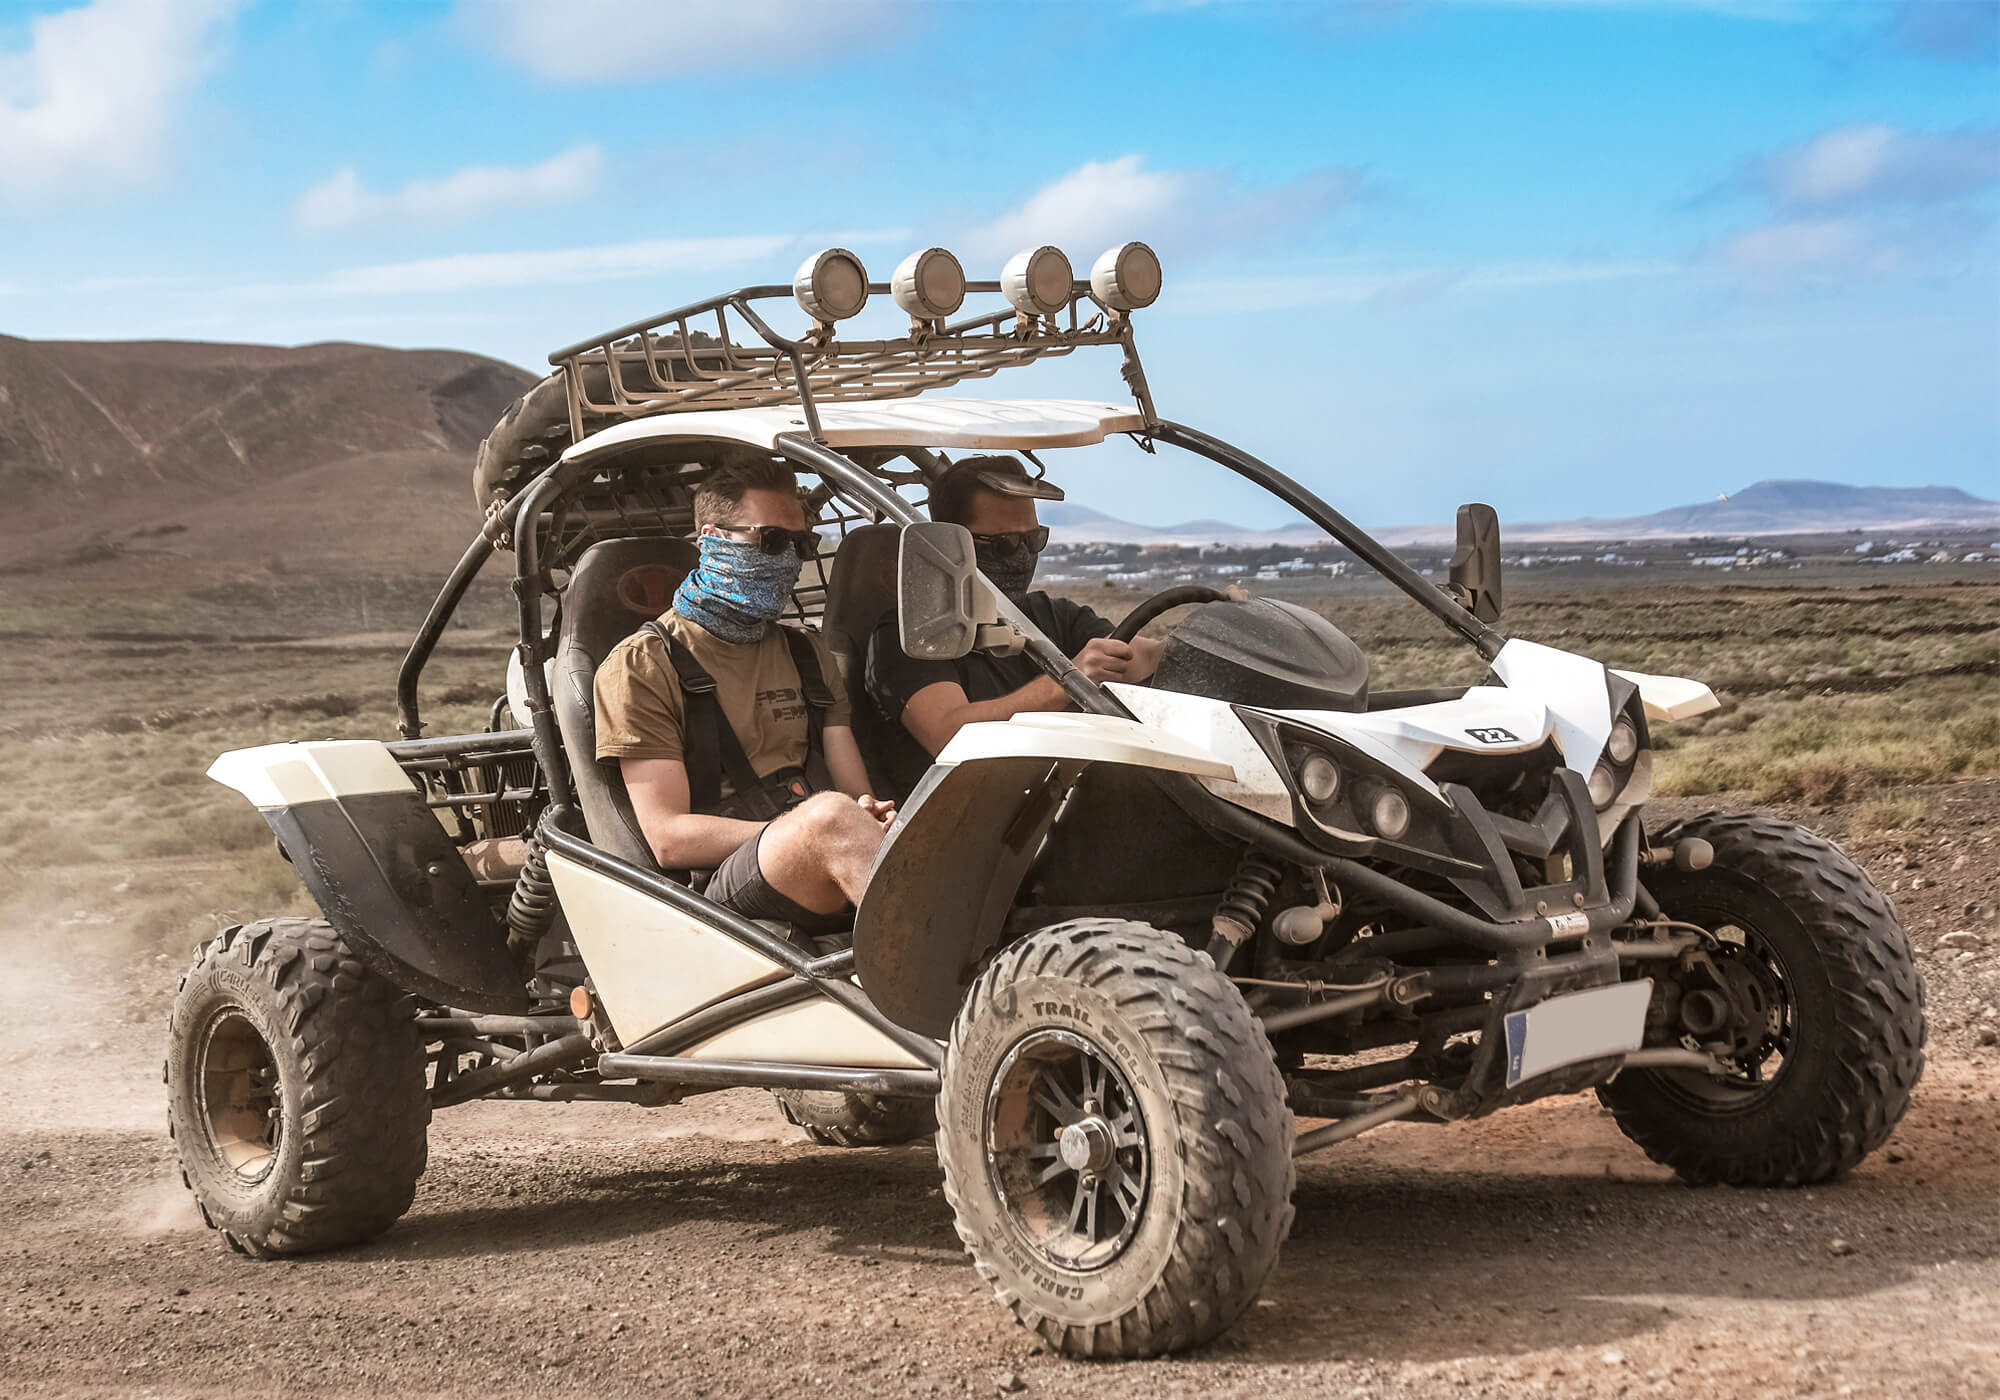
x,y
944,880
380,867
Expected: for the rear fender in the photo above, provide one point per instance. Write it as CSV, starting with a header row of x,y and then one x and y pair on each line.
x,y
944,880
381,868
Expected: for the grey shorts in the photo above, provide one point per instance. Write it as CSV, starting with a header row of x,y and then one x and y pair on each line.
x,y
739,883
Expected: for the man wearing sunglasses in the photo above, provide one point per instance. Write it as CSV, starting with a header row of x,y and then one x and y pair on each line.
x,y
731,730
994,498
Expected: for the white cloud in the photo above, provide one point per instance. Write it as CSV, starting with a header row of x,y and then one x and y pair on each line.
x,y
93,102
617,41
1874,164
342,201
1864,201
1187,211
463,272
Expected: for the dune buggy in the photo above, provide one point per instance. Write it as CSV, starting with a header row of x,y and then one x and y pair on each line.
x,y
1108,956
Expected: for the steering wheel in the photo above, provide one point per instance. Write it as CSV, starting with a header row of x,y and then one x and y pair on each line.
x,y
1161,603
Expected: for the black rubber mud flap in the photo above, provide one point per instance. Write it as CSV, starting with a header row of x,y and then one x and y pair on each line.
x,y
942,886
386,876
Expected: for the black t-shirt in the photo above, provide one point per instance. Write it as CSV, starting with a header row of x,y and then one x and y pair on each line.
x,y
894,677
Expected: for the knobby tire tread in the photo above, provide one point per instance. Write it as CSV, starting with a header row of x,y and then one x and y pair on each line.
x,y
1875,1054
1210,1048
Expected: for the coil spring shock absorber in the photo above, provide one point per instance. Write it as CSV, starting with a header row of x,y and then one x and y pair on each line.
x,y
1242,906
530,909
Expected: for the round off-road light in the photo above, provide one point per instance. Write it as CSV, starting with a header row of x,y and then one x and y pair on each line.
x,y
1623,743
1389,814
1319,778
831,285
1037,281
1603,784
930,285
1126,277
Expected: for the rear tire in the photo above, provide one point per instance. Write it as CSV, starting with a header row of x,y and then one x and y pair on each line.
x,y
1846,1025
1116,1146
295,1090
833,1118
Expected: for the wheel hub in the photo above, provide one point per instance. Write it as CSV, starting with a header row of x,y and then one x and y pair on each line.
x,y
1067,1150
1087,1144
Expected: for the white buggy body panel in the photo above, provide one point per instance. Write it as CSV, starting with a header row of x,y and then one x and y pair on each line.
x,y
651,964
1548,693
987,425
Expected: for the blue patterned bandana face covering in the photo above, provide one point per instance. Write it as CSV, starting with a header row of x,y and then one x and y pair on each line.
x,y
737,590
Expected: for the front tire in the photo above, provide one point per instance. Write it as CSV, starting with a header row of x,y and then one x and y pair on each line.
x,y
1116,1146
1825,1078
295,1090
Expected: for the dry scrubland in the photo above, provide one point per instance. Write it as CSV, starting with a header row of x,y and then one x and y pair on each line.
x,y
1839,702
707,1250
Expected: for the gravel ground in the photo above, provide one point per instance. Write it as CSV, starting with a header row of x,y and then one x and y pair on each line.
x,y
708,1250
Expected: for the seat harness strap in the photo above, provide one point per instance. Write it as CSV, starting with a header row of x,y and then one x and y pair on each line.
x,y
710,747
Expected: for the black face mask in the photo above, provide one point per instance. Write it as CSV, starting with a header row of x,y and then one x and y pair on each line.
x,y
1007,562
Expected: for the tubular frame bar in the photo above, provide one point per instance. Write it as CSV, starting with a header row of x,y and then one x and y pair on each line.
x,y
1355,1126
826,975
731,1011
1357,540
449,597
733,1074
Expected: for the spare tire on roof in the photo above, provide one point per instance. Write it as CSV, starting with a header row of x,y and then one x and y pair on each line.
x,y
535,429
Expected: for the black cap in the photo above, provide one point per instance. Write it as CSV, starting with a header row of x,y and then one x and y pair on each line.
x,y
1007,476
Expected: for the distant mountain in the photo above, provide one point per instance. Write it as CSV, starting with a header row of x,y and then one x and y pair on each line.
x,y
98,436
1790,507
1765,508
1075,524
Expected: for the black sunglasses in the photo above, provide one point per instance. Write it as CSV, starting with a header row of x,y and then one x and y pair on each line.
x,y
776,539
1036,539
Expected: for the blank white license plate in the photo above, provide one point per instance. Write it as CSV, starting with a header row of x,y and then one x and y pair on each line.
x,y
1579,1026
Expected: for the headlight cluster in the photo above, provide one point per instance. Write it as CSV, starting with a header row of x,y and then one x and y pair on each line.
x,y
832,285
1370,807
1614,767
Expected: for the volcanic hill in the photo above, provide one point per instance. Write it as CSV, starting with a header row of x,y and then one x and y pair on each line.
x,y
105,444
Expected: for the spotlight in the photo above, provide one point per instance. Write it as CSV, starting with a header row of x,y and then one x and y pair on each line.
x,y
1127,277
1037,281
930,285
831,285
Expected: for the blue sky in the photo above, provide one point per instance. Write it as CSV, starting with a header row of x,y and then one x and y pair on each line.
x,y
1569,256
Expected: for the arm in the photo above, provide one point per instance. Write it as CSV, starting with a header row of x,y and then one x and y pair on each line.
x,y
936,712
843,761
680,839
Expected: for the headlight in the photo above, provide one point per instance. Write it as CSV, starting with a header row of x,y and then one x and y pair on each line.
x,y
1623,743
1603,784
1319,778
1389,813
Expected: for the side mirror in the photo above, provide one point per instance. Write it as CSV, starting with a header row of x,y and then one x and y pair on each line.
x,y
937,578
1475,563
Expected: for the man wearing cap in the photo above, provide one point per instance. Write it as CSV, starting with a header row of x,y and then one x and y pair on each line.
x,y
994,498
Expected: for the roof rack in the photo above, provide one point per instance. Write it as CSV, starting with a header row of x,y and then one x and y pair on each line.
x,y
670,364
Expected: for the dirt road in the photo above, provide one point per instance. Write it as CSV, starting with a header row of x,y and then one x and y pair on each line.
x,y
708,1250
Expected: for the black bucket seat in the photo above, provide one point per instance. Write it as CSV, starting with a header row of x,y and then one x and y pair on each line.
x,y
617,587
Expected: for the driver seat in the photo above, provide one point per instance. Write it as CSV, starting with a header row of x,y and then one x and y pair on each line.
x,y
617,587
859,594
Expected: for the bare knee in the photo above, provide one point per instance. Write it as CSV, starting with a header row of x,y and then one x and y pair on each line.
x,y
823,817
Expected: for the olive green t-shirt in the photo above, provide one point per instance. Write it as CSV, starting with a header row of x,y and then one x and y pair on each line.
x,y
640,712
